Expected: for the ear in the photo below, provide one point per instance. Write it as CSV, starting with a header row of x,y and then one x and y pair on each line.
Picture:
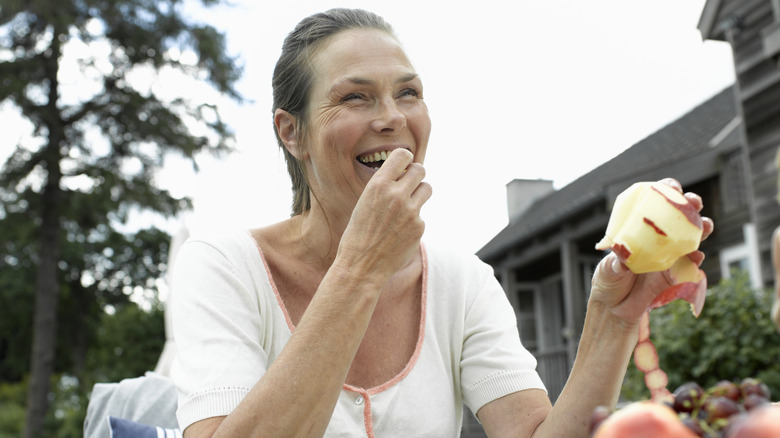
x,y
287,128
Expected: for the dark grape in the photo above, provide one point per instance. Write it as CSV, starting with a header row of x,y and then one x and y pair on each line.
x,y
687,397
720,408
723,410
754,386
728,389
693,424
753,401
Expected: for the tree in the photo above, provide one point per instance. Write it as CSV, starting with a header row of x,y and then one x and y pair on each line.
x,y
733,338
67,195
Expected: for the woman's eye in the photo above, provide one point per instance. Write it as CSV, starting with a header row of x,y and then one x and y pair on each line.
x,y
352,96
409,92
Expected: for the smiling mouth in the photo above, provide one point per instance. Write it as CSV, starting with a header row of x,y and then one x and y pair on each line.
x,y
374,160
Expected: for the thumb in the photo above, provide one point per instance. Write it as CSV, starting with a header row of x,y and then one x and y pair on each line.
x,y
612,278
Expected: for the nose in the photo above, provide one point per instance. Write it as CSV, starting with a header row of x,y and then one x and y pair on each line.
x,y
390,119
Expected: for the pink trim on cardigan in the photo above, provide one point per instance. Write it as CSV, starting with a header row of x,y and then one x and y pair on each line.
x,y
273,286
367,393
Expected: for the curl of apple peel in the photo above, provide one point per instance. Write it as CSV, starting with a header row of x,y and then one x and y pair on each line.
x,y
654,228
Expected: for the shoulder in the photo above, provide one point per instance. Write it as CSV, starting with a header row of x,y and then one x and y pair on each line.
x,y
447,261
203,252
229,243
462,275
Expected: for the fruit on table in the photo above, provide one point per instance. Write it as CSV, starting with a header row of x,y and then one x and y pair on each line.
x,y
651,226
727,409
760,422
644,419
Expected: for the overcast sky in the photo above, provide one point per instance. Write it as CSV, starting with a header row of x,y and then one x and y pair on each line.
x,y
544,89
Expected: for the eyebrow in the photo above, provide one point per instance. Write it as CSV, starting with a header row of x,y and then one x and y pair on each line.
x,y
363,81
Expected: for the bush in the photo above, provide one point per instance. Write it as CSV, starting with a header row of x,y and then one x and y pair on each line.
x,y
12,408
128,343
733,338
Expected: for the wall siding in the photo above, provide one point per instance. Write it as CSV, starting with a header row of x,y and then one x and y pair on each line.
x,y
758,84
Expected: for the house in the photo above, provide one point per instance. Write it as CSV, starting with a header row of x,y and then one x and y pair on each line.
x,y
724,150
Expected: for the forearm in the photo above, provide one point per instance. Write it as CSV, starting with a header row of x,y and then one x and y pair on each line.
x,y
297,394
597,375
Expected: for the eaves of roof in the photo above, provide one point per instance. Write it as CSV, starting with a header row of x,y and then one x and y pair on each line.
x,y
707,21
683,138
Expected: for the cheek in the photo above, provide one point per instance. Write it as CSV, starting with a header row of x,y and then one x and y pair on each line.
x,y
421,129
341,129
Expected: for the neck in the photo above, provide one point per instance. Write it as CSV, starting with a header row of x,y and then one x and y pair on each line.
x,y
319,234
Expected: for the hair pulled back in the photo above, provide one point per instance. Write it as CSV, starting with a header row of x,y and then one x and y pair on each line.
x,y
293,77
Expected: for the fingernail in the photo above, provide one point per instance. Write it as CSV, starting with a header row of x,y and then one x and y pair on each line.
x,y
617,266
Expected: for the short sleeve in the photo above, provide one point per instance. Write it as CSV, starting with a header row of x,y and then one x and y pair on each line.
x,y
217,325
494,363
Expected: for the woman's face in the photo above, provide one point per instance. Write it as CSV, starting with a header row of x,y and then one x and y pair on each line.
x,y
366,100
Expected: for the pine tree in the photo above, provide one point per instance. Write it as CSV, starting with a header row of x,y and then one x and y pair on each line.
x,y
66,195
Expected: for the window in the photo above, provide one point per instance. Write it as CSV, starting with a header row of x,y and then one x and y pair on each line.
x,y
743,256
735,185
526,317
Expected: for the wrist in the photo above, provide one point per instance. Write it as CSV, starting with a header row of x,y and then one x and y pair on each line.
x,y
354,277
604,330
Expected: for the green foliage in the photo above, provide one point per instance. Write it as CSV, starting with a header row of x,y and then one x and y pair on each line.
x,y
128,343
12,399
732,339
75,69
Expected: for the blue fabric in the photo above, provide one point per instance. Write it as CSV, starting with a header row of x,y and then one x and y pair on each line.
x,y
121,428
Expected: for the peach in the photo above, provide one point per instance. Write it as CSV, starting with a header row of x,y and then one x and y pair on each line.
x,y
644,419
761,422
651,226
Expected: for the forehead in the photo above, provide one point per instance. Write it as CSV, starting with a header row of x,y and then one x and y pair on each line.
x,y
360,51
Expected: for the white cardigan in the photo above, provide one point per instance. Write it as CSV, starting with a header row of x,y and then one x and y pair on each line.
x,y
230,324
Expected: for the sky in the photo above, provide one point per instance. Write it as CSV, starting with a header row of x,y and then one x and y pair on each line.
x,y
530,89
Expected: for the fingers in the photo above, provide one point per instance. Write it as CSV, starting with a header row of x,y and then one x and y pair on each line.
x,y
396,164
422,193
671,182
614,267
400,167
695,200
696,257
709,227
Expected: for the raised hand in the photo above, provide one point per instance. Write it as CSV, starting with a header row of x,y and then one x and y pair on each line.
x,y
385,228
628,295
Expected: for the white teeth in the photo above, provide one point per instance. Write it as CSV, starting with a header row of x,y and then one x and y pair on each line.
x,y
376,156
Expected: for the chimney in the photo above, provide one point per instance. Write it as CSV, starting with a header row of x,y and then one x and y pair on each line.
x,y
522,193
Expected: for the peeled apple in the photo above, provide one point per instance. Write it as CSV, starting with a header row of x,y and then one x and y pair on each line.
x,y
651,226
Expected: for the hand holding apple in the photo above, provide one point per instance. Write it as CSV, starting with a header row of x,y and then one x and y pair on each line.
x,y
654,231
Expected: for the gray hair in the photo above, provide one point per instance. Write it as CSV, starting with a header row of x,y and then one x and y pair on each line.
x,y
293,76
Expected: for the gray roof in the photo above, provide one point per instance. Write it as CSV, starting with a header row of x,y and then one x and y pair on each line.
x,y
688,136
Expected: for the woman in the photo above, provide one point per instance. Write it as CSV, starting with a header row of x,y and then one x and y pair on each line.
x,y
338,321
